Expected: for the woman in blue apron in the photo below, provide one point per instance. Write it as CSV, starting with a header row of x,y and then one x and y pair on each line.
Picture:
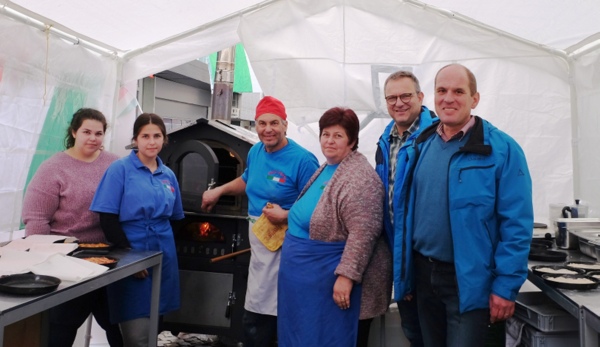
x,y
136,199
335,269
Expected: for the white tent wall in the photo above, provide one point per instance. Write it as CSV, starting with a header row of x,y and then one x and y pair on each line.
x,y
41,79
317,57
586,79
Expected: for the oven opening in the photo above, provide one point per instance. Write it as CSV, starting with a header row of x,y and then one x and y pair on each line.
x,y
198,165
202,232
229,169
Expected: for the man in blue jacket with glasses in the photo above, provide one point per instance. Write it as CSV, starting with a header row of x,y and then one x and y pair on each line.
x,y
404,100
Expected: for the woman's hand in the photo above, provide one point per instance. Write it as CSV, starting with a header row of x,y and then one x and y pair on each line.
x,y
341,291
141,275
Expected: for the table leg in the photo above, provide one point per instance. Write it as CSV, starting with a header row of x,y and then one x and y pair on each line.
x,y
154,303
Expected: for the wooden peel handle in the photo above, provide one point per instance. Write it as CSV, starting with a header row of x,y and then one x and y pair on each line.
x,y
230,255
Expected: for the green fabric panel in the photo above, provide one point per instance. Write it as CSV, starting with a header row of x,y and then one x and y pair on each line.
x,y
52,138
212,66
242,82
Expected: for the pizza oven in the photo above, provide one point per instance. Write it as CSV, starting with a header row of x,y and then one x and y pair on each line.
x,y
202,155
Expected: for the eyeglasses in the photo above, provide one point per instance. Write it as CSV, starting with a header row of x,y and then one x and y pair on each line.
x,y
392,99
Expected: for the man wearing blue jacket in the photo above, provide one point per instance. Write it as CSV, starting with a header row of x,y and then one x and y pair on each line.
x,y
404,101
469,218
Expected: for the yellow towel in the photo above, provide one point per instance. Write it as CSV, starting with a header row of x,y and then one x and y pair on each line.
x,y
269,234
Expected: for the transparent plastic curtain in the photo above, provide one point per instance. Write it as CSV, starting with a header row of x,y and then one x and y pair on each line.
x,y
43,80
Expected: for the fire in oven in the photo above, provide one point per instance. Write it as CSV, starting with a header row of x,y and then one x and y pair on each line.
x,y
212,292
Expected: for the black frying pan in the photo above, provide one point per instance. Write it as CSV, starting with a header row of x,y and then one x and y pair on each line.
x,y
28,284
551,279
547,255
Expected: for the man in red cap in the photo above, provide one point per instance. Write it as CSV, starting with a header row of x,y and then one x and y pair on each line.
x,y
278,168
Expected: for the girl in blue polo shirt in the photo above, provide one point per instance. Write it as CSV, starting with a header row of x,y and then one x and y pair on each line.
x,y
136,199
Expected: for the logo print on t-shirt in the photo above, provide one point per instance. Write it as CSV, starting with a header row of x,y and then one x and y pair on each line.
x,y
276,176
168,185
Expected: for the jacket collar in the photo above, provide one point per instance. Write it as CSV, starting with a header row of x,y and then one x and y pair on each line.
x,y
475,143
426,118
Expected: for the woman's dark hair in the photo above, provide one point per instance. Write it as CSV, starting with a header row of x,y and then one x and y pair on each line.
x,y
77,120
344,117
149,118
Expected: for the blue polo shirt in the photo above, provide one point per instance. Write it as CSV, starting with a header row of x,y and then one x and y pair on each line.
x,y
277,177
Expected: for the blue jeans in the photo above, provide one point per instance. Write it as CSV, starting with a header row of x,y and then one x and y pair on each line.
x,y
442,323
260,330
409,320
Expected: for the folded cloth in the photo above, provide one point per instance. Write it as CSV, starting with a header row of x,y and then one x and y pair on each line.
x,y
269,234
13,261
68,268
514,332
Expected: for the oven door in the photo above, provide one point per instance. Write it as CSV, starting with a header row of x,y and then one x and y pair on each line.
x,y
196,167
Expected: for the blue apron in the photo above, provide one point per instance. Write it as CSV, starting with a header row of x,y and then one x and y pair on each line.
x,y
307,314
129,298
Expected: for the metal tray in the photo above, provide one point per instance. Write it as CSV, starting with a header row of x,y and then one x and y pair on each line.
x,y
84,255
94,248
28,284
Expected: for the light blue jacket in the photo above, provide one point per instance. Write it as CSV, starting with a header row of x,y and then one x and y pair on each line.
x,y
394,235
491,213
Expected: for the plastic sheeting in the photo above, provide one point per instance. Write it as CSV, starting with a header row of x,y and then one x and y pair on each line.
x,y
344,53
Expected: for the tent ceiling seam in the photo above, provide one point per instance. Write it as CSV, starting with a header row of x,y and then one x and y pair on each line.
x,y
27,17
133,53
589,44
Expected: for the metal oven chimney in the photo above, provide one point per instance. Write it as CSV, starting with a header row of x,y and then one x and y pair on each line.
x,y
222,96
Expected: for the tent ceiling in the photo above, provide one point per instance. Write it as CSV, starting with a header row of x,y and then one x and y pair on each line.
x,y
558,24
125,26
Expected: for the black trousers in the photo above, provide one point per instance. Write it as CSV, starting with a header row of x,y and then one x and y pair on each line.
x,y
65,319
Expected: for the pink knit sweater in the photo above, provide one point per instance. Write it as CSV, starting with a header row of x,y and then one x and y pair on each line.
x,y
58,198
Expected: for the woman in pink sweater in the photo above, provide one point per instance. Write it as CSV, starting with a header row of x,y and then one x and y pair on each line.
x,y
57,202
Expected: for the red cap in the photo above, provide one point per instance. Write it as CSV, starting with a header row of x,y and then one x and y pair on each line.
x,y
269,104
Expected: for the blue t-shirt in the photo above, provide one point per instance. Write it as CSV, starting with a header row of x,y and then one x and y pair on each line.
x,y
301,213
277,177
130,190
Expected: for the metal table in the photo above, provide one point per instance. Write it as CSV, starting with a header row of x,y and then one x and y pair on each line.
x,y
14,308
583,305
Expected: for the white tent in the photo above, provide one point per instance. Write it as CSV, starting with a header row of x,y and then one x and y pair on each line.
x,y
537,64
